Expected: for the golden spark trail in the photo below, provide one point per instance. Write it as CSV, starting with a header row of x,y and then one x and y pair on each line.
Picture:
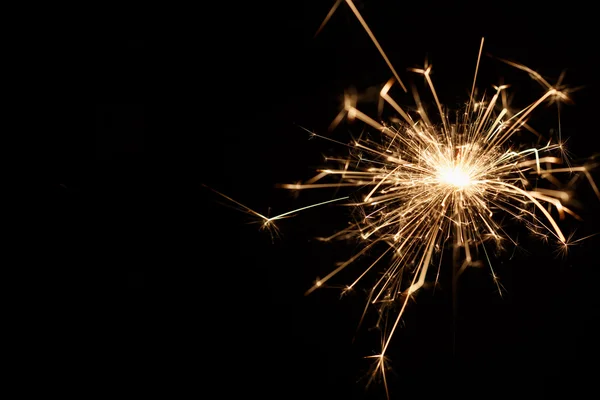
x,y
268,222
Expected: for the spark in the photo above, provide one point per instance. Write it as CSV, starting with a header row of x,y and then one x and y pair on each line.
x,y
424,186
268,223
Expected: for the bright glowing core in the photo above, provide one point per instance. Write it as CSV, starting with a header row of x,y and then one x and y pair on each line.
x,y
455,176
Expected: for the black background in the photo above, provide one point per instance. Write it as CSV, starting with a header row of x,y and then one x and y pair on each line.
x,y
205,303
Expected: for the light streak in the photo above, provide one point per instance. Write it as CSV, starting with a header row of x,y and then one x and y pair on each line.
x,y
268,223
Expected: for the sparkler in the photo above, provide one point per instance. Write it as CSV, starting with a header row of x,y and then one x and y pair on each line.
x,y
424,186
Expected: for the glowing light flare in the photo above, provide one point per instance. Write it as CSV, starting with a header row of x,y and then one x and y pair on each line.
x,y
455,176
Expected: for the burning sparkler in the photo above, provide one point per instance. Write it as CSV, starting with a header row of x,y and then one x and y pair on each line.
x,y
426,186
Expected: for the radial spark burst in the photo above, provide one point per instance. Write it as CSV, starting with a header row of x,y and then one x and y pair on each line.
x,y
447,179
425,182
